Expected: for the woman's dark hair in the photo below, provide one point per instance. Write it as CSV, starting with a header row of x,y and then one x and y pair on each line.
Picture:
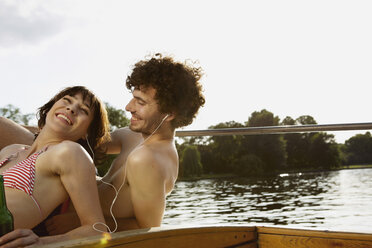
x,y
98,131
177,86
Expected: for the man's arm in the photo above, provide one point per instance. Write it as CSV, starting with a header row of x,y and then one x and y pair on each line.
x,y
123,141
13,133
146,180
122,138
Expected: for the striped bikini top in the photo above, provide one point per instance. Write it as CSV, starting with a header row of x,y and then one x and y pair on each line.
x,y
21,176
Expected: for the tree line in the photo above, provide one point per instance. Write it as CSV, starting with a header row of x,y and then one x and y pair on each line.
x,y
250,155
269,154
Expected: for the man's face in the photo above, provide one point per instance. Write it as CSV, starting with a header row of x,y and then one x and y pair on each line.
x,y
144,109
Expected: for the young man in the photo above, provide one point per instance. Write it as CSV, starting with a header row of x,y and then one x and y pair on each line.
x,y
166,95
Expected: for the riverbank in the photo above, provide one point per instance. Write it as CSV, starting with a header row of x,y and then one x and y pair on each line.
x,y
364,166
208,176
231,175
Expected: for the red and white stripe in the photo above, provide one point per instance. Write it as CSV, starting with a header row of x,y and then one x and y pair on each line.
x,y
22,175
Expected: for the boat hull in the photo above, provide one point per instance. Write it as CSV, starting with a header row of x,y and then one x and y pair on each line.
x,y
230,236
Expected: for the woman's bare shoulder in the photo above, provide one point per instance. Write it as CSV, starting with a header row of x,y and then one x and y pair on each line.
x,y
67,155
68,146
67,149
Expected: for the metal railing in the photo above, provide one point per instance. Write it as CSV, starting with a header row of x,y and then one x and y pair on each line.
x,y
275,129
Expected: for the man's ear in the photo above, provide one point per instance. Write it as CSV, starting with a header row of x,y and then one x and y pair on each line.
x,y
169,117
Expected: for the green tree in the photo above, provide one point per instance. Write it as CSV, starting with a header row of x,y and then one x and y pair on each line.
x,y
310,150
223,150
323,152
288,121
262,118
358,149
190,164
13,113
303,154
297,145
249,165
117,117
207,158
305,120
270,149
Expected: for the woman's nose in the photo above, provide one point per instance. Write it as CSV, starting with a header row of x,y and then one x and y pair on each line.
x,y
71,108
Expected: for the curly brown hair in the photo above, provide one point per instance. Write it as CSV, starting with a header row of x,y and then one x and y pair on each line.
x,y
98,131
178,90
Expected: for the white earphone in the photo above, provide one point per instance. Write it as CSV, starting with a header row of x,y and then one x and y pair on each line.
x,y
86,137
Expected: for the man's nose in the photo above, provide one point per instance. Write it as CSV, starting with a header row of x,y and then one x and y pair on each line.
x,y
129,106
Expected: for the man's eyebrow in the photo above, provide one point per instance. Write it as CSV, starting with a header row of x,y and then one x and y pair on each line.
x,y
140,98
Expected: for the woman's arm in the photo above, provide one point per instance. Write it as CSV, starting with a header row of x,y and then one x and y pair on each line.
x,y
13,133
77,174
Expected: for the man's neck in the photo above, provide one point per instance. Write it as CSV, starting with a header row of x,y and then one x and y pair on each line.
x,y
160,135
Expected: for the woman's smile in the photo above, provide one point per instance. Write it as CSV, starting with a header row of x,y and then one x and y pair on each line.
x,y
65,118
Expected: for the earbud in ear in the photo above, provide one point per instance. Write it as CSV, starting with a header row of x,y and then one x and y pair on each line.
x,y
165,117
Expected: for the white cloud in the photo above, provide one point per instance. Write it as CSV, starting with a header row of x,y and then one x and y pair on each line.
x,y
290,57
24,25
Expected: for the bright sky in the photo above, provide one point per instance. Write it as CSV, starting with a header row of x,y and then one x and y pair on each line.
x,y
292,58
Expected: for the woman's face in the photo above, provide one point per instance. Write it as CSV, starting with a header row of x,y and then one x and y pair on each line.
x,y
71,117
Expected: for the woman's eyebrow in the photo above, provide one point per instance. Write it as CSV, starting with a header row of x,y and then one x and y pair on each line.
x,y
87,104
84,102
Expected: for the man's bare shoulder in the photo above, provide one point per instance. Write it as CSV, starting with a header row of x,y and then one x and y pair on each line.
x,y
158,159
145,159
142,155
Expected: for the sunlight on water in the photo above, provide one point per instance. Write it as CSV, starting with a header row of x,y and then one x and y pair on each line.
x,y
339,200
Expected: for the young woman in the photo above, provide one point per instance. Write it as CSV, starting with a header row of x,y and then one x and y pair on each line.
x,y
40,177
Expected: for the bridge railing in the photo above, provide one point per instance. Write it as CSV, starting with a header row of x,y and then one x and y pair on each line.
x,y
275,129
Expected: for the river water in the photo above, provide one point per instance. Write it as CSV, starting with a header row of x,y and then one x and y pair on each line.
x,y
336,200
